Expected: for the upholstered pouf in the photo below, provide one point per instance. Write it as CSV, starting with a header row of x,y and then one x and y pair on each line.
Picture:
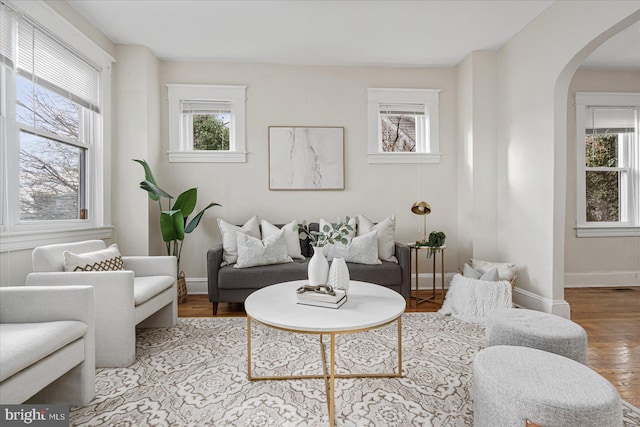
x,y
514,384
535,329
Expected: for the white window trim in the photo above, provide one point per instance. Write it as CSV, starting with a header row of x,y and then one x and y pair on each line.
x,y
14,236
178,151
631,228
429,97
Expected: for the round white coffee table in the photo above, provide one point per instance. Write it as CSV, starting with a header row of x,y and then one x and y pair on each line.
x,y
368,307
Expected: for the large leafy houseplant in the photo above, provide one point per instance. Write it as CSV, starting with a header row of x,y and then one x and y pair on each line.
x,y
174,221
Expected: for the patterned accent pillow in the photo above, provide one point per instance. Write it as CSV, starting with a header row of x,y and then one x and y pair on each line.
x,y
103,260
360,250
328,248
229,240
386,235
253,252
291,235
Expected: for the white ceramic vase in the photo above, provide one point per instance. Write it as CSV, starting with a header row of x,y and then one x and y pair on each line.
x,y
339,274
318,270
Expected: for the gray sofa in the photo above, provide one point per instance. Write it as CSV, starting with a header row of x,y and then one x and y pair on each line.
x,y
228,284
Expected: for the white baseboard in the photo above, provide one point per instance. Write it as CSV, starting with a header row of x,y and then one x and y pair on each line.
x,y
526,299
603,279
425,280
521,297
197,286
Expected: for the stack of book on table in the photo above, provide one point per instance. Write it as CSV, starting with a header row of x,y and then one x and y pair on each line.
x,y
323,299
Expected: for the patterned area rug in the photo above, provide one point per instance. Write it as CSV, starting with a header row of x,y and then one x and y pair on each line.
x,y
196,375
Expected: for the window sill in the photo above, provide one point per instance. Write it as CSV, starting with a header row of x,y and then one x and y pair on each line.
x,y
403,158
207,156
612,231
16,241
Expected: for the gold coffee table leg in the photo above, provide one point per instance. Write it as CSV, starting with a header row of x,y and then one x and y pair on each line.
x,y
249,348
329,375
332,402
324,371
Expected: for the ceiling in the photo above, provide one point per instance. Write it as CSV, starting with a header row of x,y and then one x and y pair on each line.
x,y
332,32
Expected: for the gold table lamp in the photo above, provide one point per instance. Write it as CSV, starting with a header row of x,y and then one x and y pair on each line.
x,y
422,208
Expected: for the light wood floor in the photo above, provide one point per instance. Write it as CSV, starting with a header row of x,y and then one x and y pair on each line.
x,y
611,317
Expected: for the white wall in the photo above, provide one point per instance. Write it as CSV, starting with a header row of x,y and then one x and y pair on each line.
x,y
136,129
465,164
311,96
477,158
534,69
596,261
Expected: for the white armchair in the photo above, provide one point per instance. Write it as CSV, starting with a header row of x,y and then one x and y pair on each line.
x,y
142,294
47,345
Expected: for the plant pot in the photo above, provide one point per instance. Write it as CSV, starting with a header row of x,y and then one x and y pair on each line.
x,y
318,270
339,274
182,288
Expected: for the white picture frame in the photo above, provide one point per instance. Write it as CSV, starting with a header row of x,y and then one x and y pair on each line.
x,y
306,158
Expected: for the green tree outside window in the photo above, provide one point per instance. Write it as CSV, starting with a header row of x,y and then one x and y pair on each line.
x,y
210,132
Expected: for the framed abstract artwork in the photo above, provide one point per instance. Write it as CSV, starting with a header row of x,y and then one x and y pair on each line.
x,y
306,158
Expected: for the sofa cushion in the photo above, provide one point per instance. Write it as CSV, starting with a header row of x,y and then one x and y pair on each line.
x,y
108,259
24,344
253,252
361,249
353,222
291,236
229,237
147,287
261,276
386,235
387,273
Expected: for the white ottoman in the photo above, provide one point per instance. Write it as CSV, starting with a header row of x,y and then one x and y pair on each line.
x,y
514,384
535,329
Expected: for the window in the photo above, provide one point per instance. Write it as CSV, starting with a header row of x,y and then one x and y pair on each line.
x,y
403,126
608,180
206,123
51,101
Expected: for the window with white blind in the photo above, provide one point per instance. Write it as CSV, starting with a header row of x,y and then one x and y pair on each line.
x,y
403,126
608,164
206,123
51,129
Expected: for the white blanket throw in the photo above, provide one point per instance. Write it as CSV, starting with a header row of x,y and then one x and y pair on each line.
x,y
471,299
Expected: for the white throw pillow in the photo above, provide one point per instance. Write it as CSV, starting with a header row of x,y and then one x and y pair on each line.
x,y
361,249
291,236
489,276
352,222
108,259
229,240
253,252
506,270
472,299
386,235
